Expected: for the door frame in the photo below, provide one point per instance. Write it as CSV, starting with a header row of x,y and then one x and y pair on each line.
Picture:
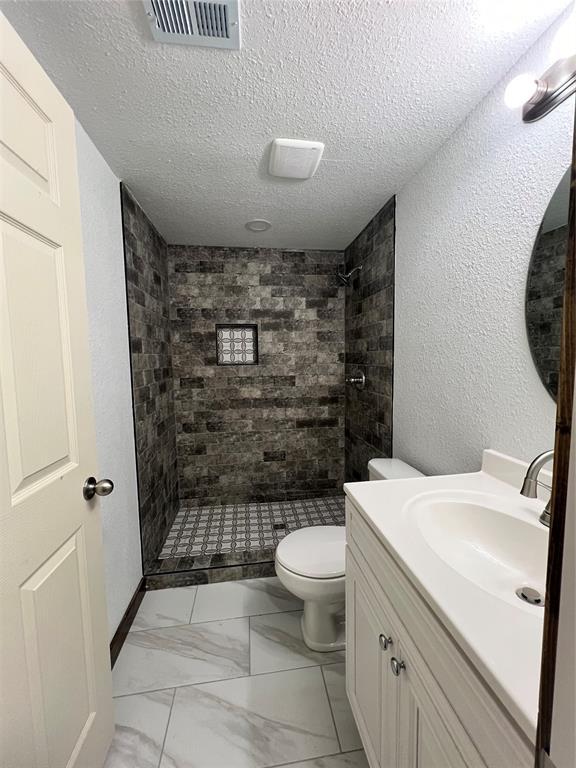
x,y
562,443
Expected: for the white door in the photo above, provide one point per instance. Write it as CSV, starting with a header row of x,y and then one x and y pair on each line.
x,y
55,681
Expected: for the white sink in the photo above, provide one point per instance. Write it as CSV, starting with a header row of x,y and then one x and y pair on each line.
x,y
493,541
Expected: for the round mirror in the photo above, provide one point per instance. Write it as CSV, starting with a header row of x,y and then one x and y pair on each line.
x,y
545,287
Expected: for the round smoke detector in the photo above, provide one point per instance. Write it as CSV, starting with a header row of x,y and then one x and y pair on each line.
x,y
258,225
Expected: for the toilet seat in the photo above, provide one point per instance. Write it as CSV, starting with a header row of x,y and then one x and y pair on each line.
x,y
315,553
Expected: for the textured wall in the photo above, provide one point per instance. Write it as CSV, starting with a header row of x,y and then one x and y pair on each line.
x,y
111,386
465,229
544,298
370,343
151,355
270,431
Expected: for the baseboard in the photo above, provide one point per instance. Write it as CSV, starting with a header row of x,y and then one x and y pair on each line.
x,y
124,627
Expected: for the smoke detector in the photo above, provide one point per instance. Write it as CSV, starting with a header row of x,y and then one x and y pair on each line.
x,y
193,22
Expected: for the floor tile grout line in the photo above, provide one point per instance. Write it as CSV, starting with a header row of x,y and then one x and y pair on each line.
x,y
212,621
313,759
250,646
223,680
193,604
331,709
167,726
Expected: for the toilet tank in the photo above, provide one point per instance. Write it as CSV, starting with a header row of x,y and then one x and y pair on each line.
x,y
391,469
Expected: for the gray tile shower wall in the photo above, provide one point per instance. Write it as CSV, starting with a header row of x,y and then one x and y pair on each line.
x,y
370,343
544,299
265,432
152,380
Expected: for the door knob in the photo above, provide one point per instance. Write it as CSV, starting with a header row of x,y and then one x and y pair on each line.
x,y
397,666
93,487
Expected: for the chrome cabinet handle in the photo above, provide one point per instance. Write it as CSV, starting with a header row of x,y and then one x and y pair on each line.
x,y
385,642
93,487
397,666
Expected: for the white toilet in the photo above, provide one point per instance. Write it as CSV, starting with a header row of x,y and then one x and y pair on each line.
x,y
310,564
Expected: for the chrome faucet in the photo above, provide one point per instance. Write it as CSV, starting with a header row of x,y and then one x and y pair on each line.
x,y
531,483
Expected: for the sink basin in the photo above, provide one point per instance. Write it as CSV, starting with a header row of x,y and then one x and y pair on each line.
x,y
494,541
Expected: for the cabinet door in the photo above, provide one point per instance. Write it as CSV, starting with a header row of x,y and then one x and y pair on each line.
x,y
429,732
372,689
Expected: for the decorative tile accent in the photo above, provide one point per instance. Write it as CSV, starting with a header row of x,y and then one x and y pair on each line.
x,y
237,344
239,528
370,343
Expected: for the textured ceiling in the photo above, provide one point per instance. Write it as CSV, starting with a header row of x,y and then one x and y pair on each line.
x,y
382,83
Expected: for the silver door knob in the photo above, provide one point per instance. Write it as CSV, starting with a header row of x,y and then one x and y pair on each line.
x,y
385,642
397,666
93,487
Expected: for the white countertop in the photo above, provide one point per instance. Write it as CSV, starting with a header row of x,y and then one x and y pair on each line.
x,y
501,640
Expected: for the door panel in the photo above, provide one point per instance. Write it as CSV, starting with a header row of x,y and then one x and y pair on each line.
x,y
61,656
367,663
372,688
26,137
55,681
430,734
41,432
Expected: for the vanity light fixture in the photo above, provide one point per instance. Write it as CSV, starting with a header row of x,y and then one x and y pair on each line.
x,y
545,93
522,89
258,225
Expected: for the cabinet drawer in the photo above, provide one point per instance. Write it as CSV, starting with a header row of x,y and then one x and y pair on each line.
x,y
490,727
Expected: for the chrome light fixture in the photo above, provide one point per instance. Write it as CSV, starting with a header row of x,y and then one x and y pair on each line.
x,y
555,86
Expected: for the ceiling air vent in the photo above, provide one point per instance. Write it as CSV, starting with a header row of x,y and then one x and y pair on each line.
x,y
193,22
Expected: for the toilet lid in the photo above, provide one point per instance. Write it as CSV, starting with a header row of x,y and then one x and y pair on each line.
x,y
317,552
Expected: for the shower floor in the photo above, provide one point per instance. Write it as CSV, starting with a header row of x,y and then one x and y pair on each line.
x,y
203,532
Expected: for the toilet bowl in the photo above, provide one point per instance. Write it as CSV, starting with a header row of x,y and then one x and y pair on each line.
x,y
310,564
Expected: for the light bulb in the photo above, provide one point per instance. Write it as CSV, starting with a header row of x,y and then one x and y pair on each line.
x,y
520,90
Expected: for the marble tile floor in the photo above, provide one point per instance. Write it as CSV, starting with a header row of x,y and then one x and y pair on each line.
x,y
217,676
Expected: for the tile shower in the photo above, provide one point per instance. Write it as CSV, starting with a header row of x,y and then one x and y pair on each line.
x,y
238,367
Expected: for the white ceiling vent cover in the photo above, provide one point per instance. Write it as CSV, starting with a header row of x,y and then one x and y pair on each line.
x,y
194,22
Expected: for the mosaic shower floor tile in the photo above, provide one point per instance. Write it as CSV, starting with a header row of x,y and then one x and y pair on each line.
x,y
235,528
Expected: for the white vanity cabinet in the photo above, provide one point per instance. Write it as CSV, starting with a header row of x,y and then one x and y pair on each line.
x,y
417,700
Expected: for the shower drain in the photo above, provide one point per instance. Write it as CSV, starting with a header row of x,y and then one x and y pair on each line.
x,y
530,595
